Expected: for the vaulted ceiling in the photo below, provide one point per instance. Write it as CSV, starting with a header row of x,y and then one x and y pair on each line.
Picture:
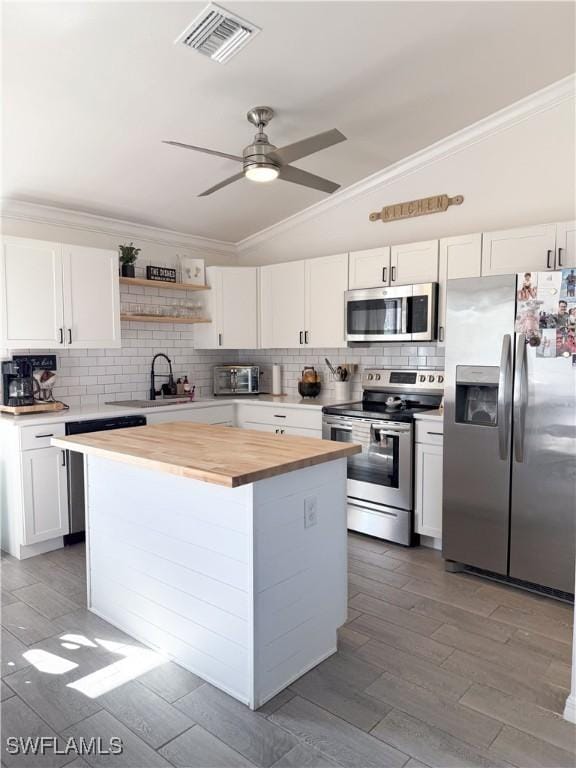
x,y
90,89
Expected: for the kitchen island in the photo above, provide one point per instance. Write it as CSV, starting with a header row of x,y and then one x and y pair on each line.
x,y
223,548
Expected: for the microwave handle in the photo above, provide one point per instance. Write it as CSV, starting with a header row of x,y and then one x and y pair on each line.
x,y
404,315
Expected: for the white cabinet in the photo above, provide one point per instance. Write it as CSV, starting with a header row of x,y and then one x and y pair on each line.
x,y
414,263
396,265
459,257
428,479
282,303
305,421
369,269
45,494
31,305
302,303
566,245
91,297
326,284
217,414
232,305
55,295
517,250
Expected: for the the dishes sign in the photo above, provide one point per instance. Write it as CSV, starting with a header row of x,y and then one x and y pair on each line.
x,y
161,274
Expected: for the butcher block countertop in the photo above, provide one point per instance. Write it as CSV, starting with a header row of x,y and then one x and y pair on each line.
x,y
214,454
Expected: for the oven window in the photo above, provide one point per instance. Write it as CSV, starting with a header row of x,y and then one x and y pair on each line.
x,y
373,317
378,462
243,379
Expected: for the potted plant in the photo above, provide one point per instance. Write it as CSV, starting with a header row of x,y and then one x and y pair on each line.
x,y
128,255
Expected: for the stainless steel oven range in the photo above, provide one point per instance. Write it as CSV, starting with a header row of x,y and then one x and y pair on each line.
x,y
380,479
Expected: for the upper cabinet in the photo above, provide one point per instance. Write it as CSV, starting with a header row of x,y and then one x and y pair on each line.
x,y
369,269
91,297
232,305
302,303
414,263
282,304
459,257
326,284
55,295
396,265
516,250
566,244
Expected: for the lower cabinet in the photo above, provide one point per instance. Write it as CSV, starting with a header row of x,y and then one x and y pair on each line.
x,y
220,414
45,494
428,482
294,431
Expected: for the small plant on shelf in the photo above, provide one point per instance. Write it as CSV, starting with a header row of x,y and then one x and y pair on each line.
x,y
128,255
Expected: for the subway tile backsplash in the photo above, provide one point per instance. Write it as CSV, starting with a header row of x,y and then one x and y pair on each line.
x,y
396,355
89,377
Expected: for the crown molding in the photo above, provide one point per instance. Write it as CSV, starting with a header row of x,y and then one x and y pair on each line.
x,y
64,217
519,111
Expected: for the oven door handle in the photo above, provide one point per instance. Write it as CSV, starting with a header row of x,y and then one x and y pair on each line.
x,y
392,432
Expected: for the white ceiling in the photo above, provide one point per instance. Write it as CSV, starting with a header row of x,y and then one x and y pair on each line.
x,y
91,88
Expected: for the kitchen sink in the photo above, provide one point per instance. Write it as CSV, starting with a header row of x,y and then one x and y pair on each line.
x,y
150,403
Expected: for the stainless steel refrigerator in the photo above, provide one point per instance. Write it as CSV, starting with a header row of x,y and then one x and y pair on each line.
x,y
509,503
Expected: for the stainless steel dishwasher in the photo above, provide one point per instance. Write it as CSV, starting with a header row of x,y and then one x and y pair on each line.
x,y
75,463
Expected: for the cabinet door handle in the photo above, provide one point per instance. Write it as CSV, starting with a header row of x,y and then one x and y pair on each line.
x,y
63,458
440,434
306,334
548,259
441,333
560,256
219,339
301,337
276,431
69,336
61,331
393,274
48,434
384,271
279,416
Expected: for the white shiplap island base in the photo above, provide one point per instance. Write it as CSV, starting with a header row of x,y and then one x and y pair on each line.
x,y
236,584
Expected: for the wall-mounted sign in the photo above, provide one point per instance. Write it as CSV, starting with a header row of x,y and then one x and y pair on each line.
x,y
411,208
161,274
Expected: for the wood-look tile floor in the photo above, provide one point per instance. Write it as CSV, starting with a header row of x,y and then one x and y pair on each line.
x,y
433,669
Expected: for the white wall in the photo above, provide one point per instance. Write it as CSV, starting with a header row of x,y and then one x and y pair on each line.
x,y
523,174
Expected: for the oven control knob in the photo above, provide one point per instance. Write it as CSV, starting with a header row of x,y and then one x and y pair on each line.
x,y
430,378
370,377
440,379
422,378
377,377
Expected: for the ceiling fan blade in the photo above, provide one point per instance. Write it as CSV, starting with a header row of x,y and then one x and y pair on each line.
x,y
216,187
309,146
305,179
206,151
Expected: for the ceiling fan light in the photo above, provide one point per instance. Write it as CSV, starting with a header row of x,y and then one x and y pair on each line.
x,y
261,173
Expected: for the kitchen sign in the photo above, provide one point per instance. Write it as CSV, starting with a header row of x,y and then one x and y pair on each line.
x,y
161,274
411,208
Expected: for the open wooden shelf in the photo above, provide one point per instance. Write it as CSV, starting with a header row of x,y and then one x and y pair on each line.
x,y
163,319
162,284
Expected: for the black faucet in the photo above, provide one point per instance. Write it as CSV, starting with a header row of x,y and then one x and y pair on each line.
x,y
153,375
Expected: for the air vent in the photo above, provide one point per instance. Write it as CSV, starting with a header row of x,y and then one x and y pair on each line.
x,y
217,33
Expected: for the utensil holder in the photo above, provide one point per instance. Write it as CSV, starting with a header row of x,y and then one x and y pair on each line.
x,y
342,390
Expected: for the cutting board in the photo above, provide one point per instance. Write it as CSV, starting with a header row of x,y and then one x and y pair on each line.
x,y
20,410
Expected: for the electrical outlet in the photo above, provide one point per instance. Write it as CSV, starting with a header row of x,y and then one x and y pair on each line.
x,y
310,511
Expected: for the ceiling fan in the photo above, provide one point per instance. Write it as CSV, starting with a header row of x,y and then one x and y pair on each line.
x,y
262,161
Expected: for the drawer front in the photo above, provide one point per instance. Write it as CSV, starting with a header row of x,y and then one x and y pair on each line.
x,y
430,432
282,429
304,417
222,414
40,436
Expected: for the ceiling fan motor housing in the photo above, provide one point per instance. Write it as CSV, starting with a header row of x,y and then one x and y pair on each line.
x,y
256,154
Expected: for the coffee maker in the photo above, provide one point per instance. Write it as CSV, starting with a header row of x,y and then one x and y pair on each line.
x,y
17,382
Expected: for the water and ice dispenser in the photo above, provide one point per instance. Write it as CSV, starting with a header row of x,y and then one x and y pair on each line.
x,y
477,395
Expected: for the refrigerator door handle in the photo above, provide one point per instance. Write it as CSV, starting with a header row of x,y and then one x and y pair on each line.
x,y
504,395
519,398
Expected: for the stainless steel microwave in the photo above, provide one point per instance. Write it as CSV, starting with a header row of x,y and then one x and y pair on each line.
x,y
236,380
399,313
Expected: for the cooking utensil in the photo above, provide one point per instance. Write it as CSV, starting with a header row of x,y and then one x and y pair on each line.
x,y
330,366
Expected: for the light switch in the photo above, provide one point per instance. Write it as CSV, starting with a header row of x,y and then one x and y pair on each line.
x,y
310,511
